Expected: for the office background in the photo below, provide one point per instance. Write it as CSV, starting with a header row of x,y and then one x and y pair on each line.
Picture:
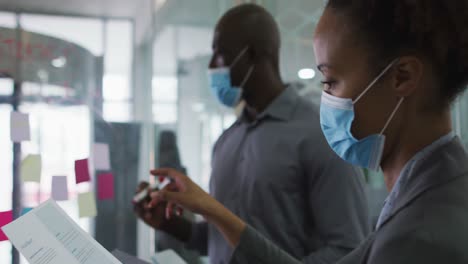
x,y
131,74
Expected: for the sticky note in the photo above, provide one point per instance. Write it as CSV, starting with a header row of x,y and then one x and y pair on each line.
x,y
101,156
5,219
82,171
105,186
87,204
26,210
31,168
59,188
19,127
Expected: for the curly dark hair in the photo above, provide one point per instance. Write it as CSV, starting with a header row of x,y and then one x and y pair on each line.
x,y
435,30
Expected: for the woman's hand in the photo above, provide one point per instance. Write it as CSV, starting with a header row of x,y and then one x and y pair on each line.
x,y
185,193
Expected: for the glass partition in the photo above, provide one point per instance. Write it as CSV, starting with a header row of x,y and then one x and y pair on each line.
x,y
52,68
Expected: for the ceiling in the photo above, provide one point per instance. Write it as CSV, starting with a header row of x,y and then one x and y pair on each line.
x,y
93,8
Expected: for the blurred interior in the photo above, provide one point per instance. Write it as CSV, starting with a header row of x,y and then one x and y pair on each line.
x,y
131,74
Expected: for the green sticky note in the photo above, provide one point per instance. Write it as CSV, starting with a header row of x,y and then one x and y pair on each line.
x,y
31,168
87,204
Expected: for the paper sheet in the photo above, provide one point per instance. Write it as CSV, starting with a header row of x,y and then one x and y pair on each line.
x,y
19,127
101,157
47,235
59,188
31,168
106,186
82,171
87,204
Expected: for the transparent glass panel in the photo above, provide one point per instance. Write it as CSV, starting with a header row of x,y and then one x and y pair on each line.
x,y
116,87
165,89
6,87
61,135
118,53
165,113
6,169
86,32
7,20
117,111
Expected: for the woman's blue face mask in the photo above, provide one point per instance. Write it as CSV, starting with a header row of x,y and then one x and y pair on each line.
x,y
336,118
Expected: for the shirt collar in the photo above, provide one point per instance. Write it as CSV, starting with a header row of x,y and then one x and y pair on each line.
x,y
408,168
405,175
282,107
425,152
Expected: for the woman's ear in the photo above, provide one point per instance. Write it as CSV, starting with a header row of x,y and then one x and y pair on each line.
x,y
408,75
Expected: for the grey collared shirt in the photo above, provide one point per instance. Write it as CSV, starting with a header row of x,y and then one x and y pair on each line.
x,y
279,175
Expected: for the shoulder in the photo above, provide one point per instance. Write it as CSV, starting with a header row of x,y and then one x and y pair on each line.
x,y
222,138
306,120
306,110
432,229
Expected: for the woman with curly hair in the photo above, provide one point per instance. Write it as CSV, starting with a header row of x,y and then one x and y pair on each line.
x,y
391,71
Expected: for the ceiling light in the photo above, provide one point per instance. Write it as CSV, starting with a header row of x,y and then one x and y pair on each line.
x,y
59,62
306,74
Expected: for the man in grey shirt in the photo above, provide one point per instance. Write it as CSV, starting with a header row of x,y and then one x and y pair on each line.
x,y
273,167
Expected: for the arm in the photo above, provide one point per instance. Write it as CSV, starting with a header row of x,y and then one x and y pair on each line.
x,y
255,248
185,193
415,247
337,204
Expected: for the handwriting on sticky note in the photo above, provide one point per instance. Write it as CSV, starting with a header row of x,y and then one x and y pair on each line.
x,y
5,219
31,168
101,157
59,188
87,204
82,171
19,127
106,186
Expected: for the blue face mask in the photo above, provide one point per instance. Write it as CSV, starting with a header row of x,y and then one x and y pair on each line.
x,y
221,85
336,118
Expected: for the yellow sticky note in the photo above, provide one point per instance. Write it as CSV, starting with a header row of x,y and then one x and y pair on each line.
x,y
87,204
31,168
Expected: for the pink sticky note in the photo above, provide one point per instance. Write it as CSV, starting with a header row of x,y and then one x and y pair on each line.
x,y
5,219
82,171
106,186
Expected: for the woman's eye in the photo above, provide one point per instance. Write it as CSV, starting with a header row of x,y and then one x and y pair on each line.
x,y
328,85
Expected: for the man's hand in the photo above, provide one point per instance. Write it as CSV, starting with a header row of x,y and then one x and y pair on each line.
x,y
182,192
185,193
154,216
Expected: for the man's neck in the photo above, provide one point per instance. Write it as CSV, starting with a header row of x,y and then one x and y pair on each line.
x,y
262,95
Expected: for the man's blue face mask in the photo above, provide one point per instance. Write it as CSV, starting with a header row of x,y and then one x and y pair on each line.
x,y
336,118
221,85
